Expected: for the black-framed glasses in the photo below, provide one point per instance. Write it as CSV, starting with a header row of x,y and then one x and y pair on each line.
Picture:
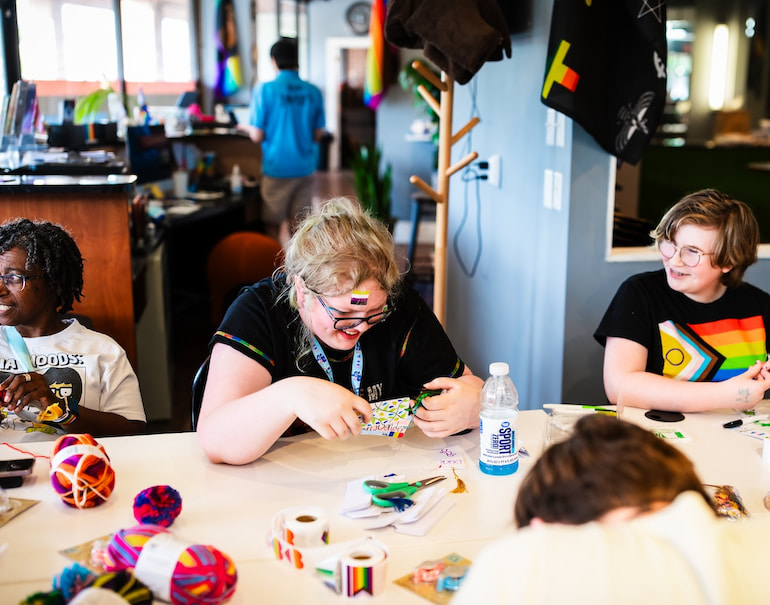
x,y
17,281
346,323
690,256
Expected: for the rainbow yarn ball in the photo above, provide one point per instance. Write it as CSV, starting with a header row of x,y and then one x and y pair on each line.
x,y
80,471
201,574
157,505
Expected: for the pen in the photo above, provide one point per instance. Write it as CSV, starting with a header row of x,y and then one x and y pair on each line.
x,y
748,420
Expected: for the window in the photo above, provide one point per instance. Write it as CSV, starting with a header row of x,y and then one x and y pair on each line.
x,y
66,46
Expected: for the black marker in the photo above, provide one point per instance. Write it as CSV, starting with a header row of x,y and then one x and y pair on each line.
x,y
748,420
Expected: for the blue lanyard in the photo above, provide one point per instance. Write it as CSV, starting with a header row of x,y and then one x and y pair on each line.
x,y
356,371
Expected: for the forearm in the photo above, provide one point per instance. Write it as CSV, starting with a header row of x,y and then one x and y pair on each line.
x,y
104,424
241,430
651,391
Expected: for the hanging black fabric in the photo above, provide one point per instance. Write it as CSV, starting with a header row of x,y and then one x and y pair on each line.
x,y
606,69
458,36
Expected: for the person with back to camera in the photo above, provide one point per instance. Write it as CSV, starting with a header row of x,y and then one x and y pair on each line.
x,y
615,514
56,376
332,332
287,118
694,321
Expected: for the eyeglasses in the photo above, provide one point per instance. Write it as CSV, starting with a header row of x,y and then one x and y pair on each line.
x,y
345,323
16,281
690,256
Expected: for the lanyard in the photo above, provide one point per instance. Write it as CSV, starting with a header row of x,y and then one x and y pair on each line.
x,y
355,373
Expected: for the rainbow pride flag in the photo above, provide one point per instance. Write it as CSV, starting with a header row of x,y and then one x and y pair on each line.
x,y
374,83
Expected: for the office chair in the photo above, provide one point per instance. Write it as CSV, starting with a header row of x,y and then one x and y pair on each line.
x,y
239,259
198,385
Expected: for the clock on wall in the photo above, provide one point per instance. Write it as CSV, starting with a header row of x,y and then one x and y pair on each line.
x,y
357,17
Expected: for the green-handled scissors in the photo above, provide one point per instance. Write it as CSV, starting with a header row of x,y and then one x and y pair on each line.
x,y
384,493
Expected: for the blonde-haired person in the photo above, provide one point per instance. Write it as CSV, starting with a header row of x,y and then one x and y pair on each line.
x,y
334,330
615,514
695,320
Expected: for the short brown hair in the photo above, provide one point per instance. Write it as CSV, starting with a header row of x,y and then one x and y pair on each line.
x,y
735,223
605,464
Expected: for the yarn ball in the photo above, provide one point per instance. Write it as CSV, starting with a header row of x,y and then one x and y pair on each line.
x,y
157,505
80,471
202,574
124,584
72,580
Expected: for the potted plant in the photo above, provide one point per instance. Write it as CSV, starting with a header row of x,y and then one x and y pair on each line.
x,y
409,79
373,186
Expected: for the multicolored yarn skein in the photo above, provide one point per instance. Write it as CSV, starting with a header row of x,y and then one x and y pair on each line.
x,y
157,505
80,471
199,574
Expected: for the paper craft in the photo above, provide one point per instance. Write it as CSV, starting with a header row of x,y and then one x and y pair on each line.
x,y
16,506
82,553
390,418
450,458
428,590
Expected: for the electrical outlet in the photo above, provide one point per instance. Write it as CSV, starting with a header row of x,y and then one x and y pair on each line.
x,y
495,170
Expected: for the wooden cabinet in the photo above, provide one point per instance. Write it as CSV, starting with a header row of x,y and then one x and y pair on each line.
x,y
95,211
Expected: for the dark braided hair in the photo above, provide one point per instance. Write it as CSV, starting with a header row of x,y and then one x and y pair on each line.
x,y
50,248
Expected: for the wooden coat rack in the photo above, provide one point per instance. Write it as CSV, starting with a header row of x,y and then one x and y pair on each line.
x,y
443,109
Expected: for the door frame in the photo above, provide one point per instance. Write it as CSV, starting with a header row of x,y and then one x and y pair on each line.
x,y
334,78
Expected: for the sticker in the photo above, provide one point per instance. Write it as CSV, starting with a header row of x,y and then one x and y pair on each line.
x,y
359,297
450,458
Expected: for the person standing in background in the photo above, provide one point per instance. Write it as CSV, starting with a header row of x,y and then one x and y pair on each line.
x,y
287,118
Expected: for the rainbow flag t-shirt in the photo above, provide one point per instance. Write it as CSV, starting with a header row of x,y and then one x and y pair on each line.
x,y
712,351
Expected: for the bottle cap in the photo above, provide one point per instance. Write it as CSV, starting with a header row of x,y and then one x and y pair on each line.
x,y
498,368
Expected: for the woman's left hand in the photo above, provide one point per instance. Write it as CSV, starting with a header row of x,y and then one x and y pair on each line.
x,y
456,409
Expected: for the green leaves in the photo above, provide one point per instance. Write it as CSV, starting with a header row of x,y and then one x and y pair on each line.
x,y
372,186
87,107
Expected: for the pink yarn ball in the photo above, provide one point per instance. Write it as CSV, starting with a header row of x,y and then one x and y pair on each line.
x,y
202,574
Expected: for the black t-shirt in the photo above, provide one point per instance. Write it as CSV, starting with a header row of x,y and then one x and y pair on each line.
x,y
685,339
400,354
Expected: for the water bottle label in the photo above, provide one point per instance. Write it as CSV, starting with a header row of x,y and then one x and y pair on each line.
x,y
498,442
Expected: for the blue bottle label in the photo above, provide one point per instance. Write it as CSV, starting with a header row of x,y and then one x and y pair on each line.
x,y
498,454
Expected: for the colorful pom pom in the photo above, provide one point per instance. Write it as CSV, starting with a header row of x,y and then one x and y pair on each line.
x,y
202,574
80,471
157,505
72,580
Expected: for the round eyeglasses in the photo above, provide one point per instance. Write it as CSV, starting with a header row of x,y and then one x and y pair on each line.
x,y
346,323
690,256
16,281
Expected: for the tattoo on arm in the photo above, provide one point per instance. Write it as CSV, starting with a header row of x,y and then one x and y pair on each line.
x,y
743,395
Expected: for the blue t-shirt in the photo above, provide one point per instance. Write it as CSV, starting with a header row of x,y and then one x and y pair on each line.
x,y
289,111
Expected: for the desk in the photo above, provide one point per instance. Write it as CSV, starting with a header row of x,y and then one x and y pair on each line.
x,y
231,507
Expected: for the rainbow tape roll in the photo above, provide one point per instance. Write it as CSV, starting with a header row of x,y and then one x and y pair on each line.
x,y
173,569
297,532
362,570
80,471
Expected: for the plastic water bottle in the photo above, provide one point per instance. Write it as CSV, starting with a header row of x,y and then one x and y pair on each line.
x,y
498,420
236,181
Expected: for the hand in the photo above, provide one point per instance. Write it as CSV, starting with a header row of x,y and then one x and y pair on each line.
x,y
331,410
751,386
18,392
455,410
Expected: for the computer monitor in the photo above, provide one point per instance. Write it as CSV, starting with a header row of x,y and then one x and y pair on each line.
x,y
150,155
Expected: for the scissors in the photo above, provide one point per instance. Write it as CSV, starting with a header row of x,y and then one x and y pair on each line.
x,y
384,493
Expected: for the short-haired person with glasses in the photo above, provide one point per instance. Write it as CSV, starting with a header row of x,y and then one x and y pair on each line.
x,y
56,375
691,336
334,330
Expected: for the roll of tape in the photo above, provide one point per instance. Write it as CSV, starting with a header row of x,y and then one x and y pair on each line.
x,y
299,531
306,527
362,569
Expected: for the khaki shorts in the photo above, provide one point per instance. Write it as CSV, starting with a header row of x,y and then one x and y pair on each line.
x,y
285,198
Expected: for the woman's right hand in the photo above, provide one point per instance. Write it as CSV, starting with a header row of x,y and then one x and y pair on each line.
x,y
331,410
